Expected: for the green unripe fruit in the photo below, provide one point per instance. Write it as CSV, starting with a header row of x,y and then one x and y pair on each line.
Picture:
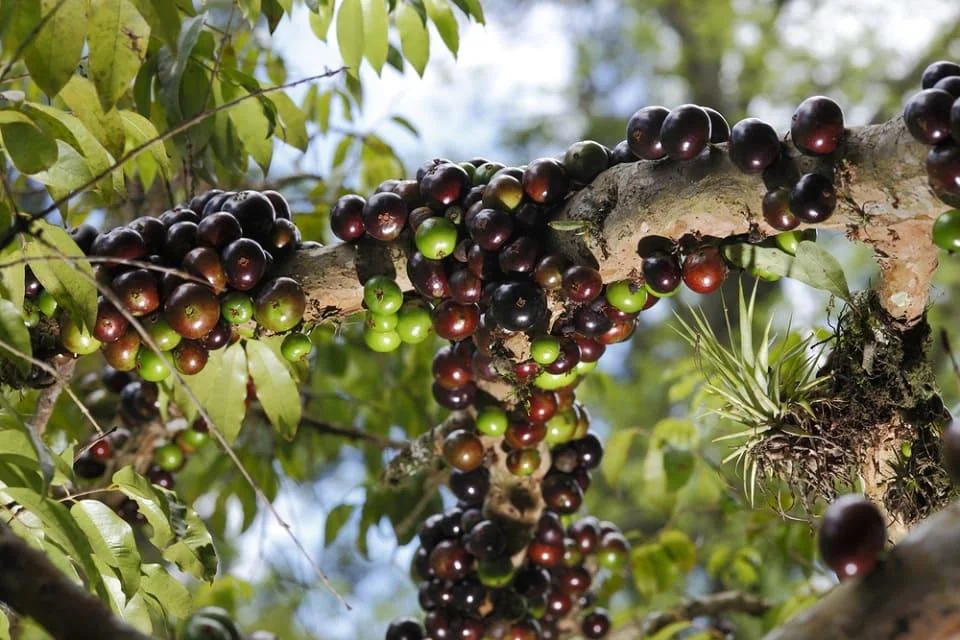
x,y
486,171
763,274
492,421
382,295
470,169
164,335
627,296
414,324
583,368
236,307
790,240
150,365
436,238
382,341
46,303
76,339
381,321
545,350
296,347
168,457
946,230
554,381
496,574
561,427
189,440
612,558
524,462
585,160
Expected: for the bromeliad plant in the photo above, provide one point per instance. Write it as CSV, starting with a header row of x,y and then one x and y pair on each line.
x,y
764,386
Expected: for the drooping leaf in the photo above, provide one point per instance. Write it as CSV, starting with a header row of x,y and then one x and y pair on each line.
x,y
441,14
71,171
29,147
350,34
320,20
228,409
680,548
250,10
151,502
118,42
616,454
55,47
194,552
80,96
137,613
11,276
336,519
292,122
253,128
15,333
375,27
277,391
168,590
813,265
163,18
137,131
112,540
69,282
22,442
414,37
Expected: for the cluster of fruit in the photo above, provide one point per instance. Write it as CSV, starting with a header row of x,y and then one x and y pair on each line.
x,y
471,586
138,406
196,278
932,117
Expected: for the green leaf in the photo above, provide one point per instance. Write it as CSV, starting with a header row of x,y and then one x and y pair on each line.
x,y
680,548
118,42
671,630
336,519
678,465
137,613
137,131
54,50
375,28
11,277
350,34
293,123
813,265
80,96
320,20
62,279
230,408
616,453
414,37
253,129
14,333
276,389
406,124
250,10
4,626
652,569
71,171
194,552
112,540
203,385
151,502
30,148
163,18
24,444
169,591
443,19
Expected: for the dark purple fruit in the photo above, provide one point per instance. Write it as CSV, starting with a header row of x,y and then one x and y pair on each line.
x,y
284,238
621,154
486,541
596,624
346,218
244,263
409,191
121,354
280,205
951,85
181,238
591,322
218,230
453,321
88,467
685,132
192,310
483,264
491,228
589,451
813,198
545,554
524,435
561,493
582,283
852,535
404,629
450,561
84,235
776,210
519,306
384,216
549,272
545,181
199,202
927,116
455,399
138,291
520,255
111,324
754,145
190,357
470,487
443,185
204,263
503,192
160,477
569,358
429,277
218,337
643,132
463,450
817,126
152,231
662,273
943,168
590,350
465,288
450,370
719,129
178,214
254,212
122,243
937,71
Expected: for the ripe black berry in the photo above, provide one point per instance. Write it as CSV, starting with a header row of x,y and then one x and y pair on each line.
x,y
519,306
937,71
643,132
943,168
685,132
776,210
384,216
545,181
719,129
813,198
852,535
927,116
817,126
754,145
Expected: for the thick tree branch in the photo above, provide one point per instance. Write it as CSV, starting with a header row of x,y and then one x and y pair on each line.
x,y
884,200
33,587
911,595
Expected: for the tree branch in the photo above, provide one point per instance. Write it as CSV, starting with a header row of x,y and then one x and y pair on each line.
x,y
882,187
911,595
48,397
351,433
33,587
709,605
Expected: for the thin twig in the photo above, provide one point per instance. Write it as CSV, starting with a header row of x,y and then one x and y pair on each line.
x,y
107,260
24,223
429,491
709,605
48,397
352,433
945,341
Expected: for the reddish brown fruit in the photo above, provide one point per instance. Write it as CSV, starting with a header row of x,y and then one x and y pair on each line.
x,y
704,270
545,181
192,310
